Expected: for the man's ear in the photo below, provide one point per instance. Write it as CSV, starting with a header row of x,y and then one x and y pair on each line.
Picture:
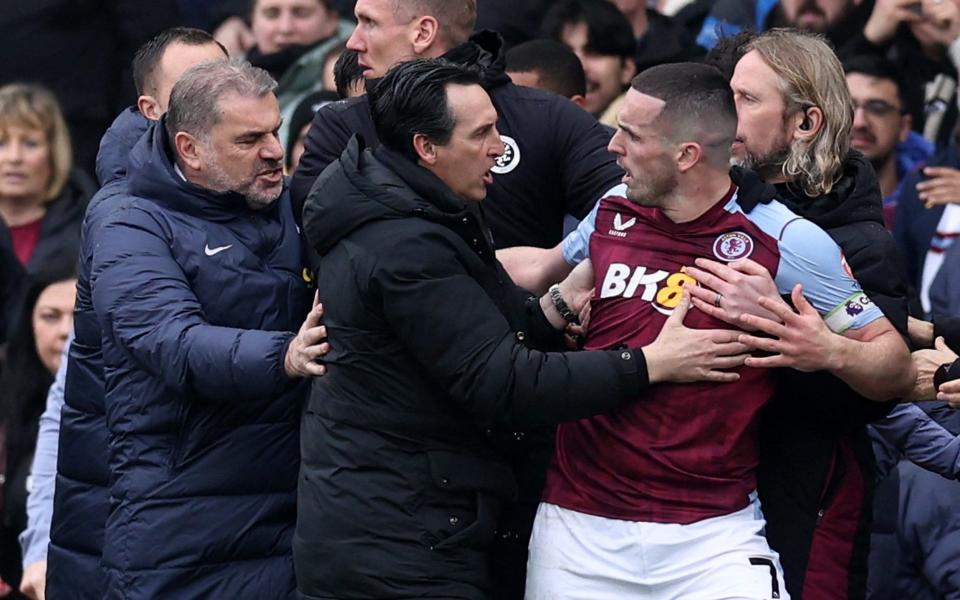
x,y
807,123
149,107
906,124
578,100
188,150
426,150
424,34
628,69
689,155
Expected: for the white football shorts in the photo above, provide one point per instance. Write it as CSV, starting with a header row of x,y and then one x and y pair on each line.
x,y
576,556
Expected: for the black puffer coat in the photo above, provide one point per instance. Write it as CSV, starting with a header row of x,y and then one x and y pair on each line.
x,y
401,480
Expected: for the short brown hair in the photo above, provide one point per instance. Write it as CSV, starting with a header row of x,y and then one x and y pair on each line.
x,y
457,18
34,107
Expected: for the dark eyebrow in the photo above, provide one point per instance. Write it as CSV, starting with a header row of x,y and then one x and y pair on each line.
x,y
256,133
483,128
629,130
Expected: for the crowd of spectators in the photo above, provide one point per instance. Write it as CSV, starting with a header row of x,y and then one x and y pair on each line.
x,y
89,92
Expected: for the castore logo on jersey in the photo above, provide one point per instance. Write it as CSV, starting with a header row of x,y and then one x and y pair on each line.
x,y
620,226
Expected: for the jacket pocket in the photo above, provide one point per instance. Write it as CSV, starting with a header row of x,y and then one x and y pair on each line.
x,y
461,506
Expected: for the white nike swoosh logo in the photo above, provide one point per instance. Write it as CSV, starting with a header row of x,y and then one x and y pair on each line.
x,y
215,251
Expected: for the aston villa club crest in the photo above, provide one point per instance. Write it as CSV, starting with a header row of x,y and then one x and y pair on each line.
x,y
733,246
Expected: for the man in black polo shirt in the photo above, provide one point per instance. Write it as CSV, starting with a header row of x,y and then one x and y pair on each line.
x,y
555,160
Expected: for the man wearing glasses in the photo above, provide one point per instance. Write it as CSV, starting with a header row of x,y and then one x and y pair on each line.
x,y
882,127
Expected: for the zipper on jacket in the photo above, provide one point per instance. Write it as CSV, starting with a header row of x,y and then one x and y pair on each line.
x,y
834,478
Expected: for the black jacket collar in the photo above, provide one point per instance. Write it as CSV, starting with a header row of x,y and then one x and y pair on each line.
x,y
855,198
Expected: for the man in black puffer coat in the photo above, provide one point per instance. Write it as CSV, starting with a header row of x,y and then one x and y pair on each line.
x,y
402,480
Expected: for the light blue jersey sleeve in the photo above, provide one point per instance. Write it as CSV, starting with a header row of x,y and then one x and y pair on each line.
x,y
43,474
809,256
576,246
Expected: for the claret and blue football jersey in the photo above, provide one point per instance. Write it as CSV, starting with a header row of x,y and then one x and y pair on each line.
x,y
684,452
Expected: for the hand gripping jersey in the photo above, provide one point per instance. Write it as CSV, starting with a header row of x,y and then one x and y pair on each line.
x,y
683,452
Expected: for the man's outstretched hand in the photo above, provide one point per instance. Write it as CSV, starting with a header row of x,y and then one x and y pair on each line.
x,y
308,347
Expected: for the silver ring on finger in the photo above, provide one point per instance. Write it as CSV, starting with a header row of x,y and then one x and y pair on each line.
x,y
716,301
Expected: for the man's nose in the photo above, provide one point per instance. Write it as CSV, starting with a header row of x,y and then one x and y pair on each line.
x,y
497,148
286,23
272,149
353,42
859,117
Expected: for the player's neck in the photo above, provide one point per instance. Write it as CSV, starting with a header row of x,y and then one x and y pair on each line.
x,y
694,197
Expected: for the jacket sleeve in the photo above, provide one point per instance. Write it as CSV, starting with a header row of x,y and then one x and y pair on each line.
x,y
43,473
147,309
929,526
325,142
586,169
459,337
921,439
949,328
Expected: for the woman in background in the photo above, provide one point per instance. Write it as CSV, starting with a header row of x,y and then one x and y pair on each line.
x,y
42,200
36,343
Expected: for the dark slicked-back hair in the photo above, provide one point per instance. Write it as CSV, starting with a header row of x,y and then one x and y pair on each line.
x,y
557,66
149,55
698,106
457,18
412,99
608,31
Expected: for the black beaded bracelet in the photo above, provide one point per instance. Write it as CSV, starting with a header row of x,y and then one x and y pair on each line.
x,y
557,300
